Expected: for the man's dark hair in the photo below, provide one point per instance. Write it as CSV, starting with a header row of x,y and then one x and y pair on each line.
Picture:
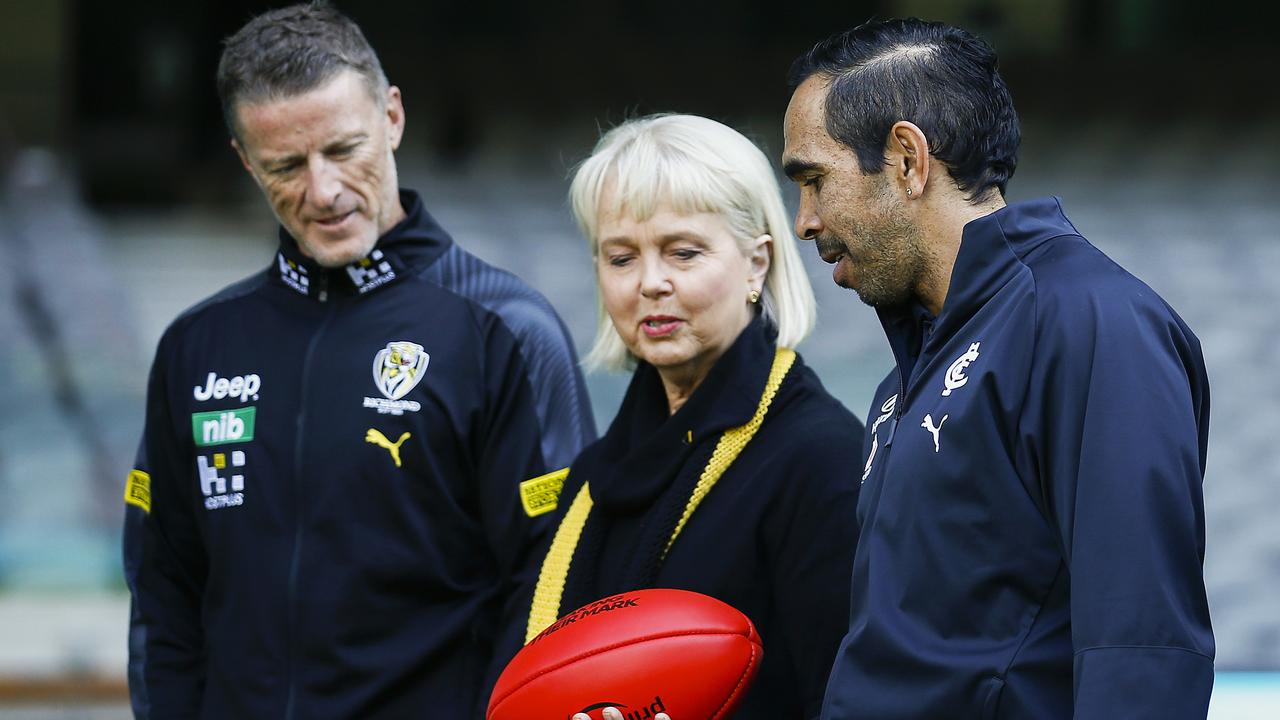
x,y
941,78
290,51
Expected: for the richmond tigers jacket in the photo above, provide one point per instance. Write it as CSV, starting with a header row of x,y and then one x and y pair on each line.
x,y
326,515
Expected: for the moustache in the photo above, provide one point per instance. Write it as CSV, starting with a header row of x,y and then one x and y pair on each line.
x,y
829,245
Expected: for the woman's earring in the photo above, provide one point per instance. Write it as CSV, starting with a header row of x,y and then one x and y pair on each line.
x,y
753,297
908,192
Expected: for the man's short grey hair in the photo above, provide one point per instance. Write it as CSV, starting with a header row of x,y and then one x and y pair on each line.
x,y
692,164
290,51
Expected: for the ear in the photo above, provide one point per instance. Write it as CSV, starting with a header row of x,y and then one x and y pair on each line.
x,y
395,116
760,256
908,156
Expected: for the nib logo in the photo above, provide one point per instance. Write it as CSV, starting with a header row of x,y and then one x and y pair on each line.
x,y
222,427
644,712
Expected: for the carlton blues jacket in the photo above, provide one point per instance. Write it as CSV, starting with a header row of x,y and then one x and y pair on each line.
x,y
327,518
1032,523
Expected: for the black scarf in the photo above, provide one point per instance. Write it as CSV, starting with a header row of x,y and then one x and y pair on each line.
x,y
642,472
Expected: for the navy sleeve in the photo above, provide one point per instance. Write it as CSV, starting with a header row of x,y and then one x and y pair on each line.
x,y
810,545
551,365
1119,433
165,566
510,451
560,395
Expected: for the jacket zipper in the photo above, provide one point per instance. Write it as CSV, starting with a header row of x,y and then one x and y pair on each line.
x,y
322,295
900,407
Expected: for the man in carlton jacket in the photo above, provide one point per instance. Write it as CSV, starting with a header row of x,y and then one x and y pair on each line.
x,y
1031,523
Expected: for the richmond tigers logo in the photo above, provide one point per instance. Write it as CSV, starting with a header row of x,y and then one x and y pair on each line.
x,y
398,368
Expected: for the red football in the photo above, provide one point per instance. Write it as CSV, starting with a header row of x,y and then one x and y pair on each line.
x,y
643,652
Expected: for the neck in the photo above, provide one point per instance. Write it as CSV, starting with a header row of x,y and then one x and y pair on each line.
x,y
679,383
395,213
942,231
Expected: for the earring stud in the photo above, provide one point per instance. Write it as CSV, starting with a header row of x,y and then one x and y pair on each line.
x,y
908,192
753,297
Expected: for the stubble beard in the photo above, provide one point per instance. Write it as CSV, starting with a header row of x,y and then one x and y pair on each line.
x,y
891,261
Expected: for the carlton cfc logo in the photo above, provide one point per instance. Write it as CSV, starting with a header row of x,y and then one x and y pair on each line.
x,y
956,377
398,368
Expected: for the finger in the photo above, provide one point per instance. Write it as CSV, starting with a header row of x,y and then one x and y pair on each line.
x,y
662,716
612,714
581,716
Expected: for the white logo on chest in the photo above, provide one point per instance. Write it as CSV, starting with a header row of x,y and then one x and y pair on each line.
x,y
928,425
241,387
886,411
956,377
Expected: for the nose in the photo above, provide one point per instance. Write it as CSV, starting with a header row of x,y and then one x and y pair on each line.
x,y
808,224
655,281
323,183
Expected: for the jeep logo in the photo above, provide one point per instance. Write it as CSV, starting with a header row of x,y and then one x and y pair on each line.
x,y
241,387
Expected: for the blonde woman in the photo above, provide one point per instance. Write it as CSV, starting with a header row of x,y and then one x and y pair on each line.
x,y
728,470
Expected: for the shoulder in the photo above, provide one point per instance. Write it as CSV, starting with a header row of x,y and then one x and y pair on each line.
x,y
221,301
496,294
1071,274
1081,293
807,424
806,401
1093,319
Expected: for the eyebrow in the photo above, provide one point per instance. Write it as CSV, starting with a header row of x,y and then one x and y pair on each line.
x,y
795,168
285,160
354,137
678,235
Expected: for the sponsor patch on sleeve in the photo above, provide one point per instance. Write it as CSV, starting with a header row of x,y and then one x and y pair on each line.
x,y
541,494
137,491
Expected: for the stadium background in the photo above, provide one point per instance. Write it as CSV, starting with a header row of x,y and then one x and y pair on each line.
x,y
121,204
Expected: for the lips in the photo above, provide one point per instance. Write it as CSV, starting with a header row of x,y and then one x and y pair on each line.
x,y
830,250
656,326
333,221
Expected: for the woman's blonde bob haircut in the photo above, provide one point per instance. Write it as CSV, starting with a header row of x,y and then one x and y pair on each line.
x,y
692,165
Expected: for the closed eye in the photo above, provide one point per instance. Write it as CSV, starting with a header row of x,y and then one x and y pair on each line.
x,y
284,168
342,151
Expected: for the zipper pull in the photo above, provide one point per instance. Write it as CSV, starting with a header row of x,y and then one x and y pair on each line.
x,y
893,425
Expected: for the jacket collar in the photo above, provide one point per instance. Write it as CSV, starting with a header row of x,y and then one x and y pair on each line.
x,y
646,446
991,254
415,242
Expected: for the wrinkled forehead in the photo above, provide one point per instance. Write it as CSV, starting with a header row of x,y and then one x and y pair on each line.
x,y
345,99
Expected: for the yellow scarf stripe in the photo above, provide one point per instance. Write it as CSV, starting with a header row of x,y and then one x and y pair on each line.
x,y
555,567
733,441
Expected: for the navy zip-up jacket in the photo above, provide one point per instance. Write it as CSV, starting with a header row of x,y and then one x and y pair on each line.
x,y
326,518
1032,523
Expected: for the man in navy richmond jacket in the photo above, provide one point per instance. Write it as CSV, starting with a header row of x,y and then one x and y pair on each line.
x,y
328,513
1032,525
